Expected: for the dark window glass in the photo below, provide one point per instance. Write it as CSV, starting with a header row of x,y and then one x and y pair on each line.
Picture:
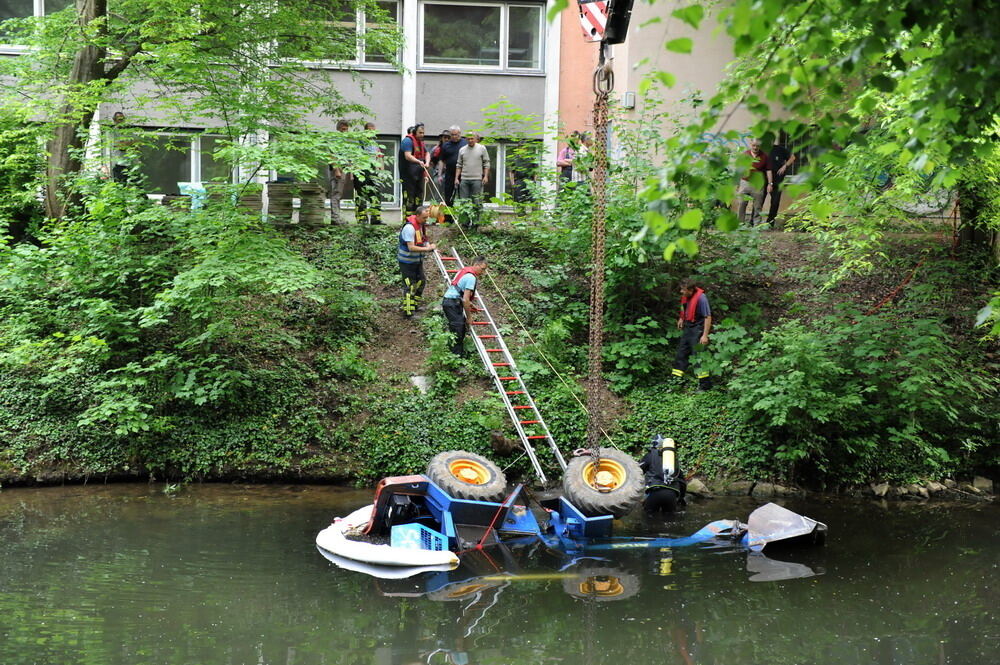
x,y
165,161
461,35
378,29
524,42
16,9
213,170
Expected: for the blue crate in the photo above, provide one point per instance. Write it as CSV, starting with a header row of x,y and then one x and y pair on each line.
x,y
417,537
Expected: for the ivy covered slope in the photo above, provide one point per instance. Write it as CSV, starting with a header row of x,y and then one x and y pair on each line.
x,y
140,340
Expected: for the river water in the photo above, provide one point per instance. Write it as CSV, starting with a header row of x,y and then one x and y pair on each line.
x,y
223,574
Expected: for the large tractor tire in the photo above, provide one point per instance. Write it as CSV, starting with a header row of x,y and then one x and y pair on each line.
x,y
468,476
601,584
613,486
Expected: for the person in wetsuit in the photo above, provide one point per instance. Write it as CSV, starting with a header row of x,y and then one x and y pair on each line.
x,y
665,485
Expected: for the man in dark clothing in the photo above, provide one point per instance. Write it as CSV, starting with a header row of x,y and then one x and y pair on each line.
x,y
780,160
448,157
695,324
665,485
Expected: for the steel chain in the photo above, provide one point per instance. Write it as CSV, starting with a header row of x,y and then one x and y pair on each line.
x,y
603,84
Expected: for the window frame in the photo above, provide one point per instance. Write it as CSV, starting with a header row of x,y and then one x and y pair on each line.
x,y
504,43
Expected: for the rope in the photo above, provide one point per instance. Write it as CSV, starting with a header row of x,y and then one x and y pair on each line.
x,y
538,349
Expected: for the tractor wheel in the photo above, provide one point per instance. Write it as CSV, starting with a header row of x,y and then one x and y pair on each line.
x,y
467,476
601,584
611,487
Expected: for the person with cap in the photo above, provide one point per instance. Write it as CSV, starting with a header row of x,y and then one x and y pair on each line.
x,y
665,485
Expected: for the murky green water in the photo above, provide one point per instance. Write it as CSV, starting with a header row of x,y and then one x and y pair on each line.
x,y
228,575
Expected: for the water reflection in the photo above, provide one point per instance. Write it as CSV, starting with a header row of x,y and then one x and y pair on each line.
x,y
229,575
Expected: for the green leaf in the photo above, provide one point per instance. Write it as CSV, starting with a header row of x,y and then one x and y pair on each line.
x,y
557,7
688,244
680,45
692,15
691,220
727,221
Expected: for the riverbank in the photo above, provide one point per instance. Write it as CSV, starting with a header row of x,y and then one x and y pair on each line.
x,y
881,379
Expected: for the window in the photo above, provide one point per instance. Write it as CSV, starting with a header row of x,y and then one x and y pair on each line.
x,y
378,32
361,37
389,184
168,159
27,8
500,36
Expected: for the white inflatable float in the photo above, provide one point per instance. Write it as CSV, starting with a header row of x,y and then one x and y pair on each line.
x,y
334,539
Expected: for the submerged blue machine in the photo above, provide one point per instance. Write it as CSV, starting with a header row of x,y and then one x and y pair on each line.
x,y
415,513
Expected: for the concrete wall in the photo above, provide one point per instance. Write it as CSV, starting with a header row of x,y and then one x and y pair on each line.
x,y
445,99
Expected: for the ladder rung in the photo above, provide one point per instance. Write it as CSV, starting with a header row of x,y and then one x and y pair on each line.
x,y
451,270
530,422
494,350
480,323
501,364
507,378
486,336
522,406
538,436
448,258
515,392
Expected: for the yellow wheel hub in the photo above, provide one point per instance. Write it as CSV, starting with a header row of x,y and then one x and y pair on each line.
x,y
601,587
605,476
469,471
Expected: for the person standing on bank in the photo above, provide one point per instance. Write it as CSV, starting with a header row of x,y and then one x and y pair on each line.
x,y
367,199
459,302
695,324
413,168
449,158
413,246
780,160
748,189
337,182
471,175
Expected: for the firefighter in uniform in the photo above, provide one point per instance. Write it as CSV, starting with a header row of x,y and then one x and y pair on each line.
x,y
459,302
413,245
695,323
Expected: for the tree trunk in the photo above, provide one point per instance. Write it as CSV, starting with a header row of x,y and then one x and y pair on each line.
x,y
65,148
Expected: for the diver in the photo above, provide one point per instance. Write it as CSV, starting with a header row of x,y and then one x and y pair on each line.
x,y
665,485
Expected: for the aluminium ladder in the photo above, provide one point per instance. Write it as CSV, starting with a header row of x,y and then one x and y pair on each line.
x,y
496,357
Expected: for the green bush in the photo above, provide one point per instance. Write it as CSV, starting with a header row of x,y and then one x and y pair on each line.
x,y
867,398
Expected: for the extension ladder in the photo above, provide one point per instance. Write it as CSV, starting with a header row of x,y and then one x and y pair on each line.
x,y
500,364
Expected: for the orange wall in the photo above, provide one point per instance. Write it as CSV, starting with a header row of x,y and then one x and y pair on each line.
x,y
577,60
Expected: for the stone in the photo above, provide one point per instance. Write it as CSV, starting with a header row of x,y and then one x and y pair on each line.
x,y
970,488
421,383
982,484
739,488
879,489
923,493
781,490
764,490
950,484
898,491
913,489
697,488
934,487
